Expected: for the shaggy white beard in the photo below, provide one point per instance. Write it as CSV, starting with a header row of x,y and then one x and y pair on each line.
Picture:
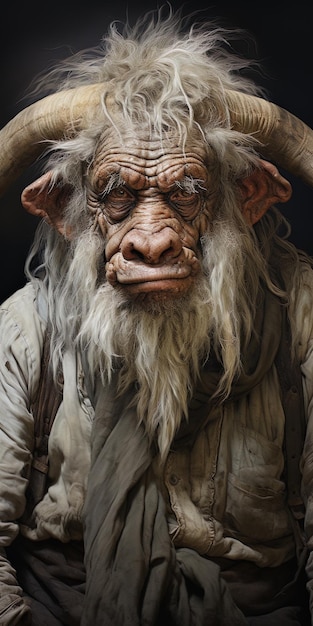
x,y
160,351
163,348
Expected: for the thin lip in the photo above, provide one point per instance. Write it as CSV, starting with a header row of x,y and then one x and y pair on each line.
x,y
154,276
159,286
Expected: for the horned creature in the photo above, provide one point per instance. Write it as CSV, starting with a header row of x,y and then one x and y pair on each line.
x,y
162,292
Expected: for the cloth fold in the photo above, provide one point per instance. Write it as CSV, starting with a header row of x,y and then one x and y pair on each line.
x,y
135,576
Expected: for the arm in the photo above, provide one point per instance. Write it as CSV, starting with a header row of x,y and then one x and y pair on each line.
x,y
20,347
307,469
13,608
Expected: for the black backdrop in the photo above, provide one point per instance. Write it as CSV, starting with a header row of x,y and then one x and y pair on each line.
x,y
32,36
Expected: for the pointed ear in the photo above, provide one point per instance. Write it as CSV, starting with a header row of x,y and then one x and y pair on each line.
x,y
260,190
44,200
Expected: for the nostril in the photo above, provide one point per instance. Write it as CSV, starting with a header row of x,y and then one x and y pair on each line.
x,y
136,246
132,252
139,255
151,247
173,248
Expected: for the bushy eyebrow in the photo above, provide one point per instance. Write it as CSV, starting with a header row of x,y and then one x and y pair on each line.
x,y
115,180
190,184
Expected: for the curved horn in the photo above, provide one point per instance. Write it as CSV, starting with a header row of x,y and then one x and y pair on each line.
x,y
61,114
285,139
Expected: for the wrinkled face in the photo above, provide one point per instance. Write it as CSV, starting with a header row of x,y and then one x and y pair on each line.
x,y
153,202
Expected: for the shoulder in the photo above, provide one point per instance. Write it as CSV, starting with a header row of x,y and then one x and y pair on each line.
x,y
26,294
301,307
23,310
22,330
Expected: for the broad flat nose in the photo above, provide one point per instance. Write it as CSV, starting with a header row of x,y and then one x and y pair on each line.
x,y
152,248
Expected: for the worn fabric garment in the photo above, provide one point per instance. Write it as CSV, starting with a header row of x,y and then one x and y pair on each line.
x,y
58,516
287,616
52,576
134,574
261,592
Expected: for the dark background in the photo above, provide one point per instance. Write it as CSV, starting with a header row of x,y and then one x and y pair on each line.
x,y
33,36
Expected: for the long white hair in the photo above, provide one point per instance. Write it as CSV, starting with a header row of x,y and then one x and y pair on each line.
x,y
164,78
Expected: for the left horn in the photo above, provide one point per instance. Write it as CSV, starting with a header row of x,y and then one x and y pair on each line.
x,y
284,138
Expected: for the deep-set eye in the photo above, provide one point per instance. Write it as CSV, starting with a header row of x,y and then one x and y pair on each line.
x,y
184,196
187,203
118,202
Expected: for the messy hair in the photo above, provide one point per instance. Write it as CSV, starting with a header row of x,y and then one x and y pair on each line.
x,y
162,77
161,71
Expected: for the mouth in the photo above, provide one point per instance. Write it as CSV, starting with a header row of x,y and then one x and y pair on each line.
x,y
159,289
140,277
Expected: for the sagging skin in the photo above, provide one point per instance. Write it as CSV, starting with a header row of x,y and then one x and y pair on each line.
x,y
153,207
153,202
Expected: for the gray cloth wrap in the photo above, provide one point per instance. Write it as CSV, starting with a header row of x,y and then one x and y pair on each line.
x,y
134,574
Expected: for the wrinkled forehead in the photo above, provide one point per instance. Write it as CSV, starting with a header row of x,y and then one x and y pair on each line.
x,y
144,153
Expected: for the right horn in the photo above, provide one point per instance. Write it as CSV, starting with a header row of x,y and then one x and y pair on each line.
x,y
25,137
284,138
